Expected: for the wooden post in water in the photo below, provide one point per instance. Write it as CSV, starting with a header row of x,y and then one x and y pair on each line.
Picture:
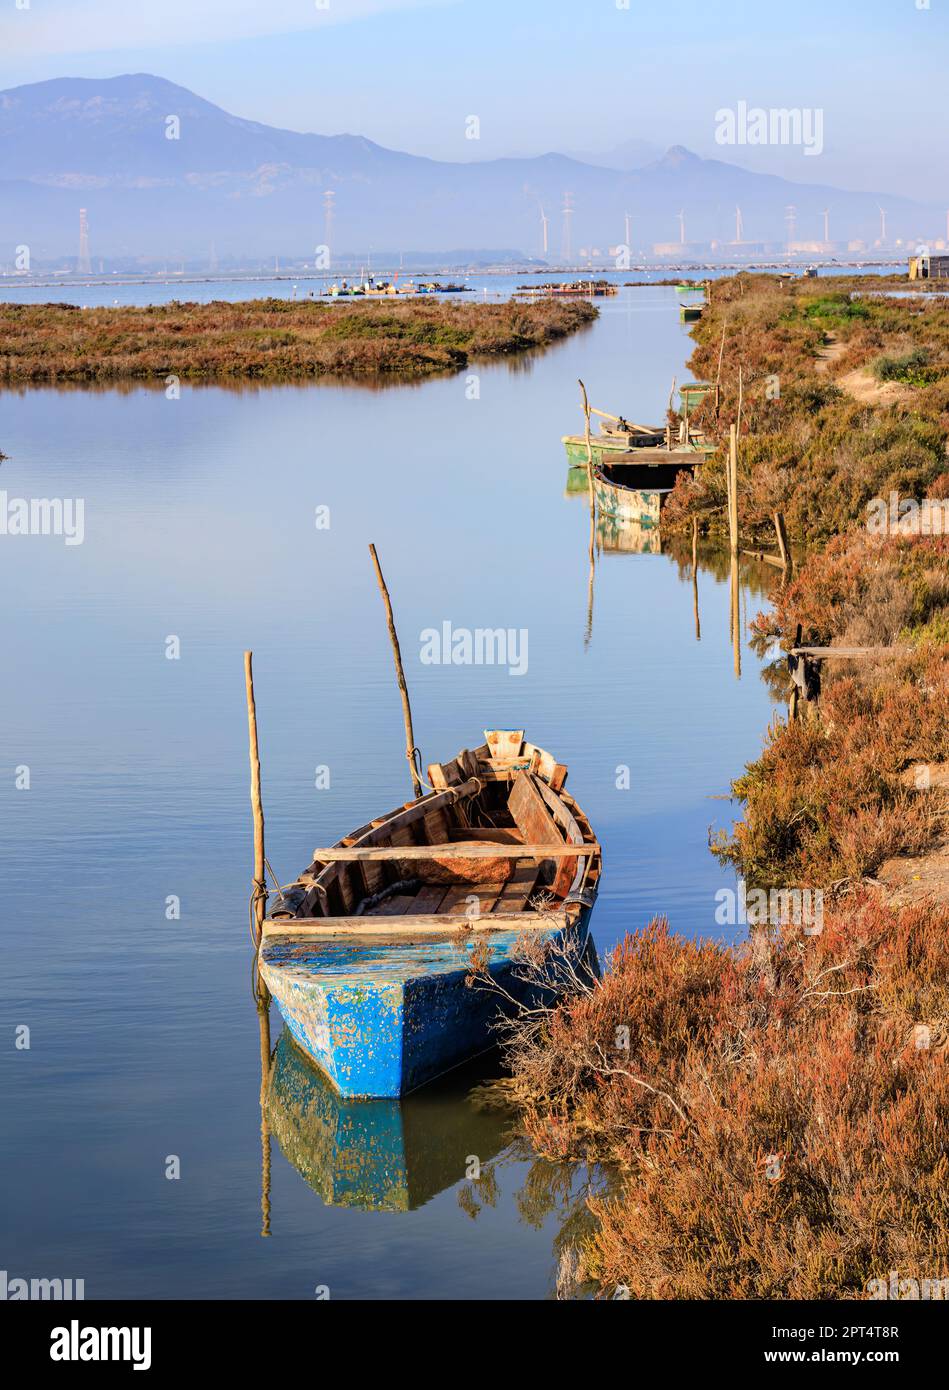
x,y
592,499
695,577
586,427
733,489
260,882
410,749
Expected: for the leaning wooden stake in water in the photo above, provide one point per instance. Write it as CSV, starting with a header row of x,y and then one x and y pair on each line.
x,y
260,882
410,749
592,498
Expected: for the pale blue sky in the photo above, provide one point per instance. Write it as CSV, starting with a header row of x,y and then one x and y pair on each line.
x,y
539,74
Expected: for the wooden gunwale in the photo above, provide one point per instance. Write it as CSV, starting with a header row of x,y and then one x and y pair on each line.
x,y
356,854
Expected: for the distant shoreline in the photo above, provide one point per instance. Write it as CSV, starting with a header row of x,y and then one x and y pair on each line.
x,y
521,268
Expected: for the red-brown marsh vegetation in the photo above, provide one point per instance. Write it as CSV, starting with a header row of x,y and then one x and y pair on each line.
x,y
269,339
775,1115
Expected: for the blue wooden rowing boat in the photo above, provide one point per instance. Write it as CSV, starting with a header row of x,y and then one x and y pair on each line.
x,y
368,954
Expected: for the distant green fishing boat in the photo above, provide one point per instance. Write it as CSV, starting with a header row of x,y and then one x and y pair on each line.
x,y
615,437
693,393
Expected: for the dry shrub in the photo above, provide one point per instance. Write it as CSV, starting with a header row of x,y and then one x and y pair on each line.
x,y
808,449
826,801
778,1129
863,591
269,339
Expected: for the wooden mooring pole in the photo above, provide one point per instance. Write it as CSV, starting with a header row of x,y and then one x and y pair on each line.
x,y
591,495
695,577
733,489
410,749
260,882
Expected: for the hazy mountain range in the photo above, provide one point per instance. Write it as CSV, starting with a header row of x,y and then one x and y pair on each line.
x,y
253,190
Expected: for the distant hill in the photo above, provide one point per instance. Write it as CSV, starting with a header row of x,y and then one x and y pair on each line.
x,y
254,190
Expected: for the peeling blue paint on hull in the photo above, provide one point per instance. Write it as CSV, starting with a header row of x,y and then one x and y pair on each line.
x,y
383,1018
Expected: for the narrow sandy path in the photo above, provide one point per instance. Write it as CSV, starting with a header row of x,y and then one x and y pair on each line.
x,y
860,383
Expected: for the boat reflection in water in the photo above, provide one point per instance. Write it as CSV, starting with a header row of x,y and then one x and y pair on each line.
x,y
615,531
376,1155
630,535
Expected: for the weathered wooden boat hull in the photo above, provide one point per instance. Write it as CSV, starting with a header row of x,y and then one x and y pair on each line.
x,y
385,1000
383,1027
636,506
632,491
373,1155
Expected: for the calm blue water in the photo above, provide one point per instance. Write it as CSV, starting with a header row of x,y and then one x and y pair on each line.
x,y
200,525
199,290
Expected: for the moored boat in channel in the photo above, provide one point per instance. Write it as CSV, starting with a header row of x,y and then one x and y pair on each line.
x,y
369,953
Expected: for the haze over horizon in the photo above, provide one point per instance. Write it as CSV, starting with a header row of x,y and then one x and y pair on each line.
x,y
555,76
161,173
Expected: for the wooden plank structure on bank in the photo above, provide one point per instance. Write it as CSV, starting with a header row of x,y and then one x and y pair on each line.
x,y
804,666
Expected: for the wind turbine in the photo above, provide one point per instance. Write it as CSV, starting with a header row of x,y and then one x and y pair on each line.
x,y
626,220
681,217
739,225
826,217
543,223
882,213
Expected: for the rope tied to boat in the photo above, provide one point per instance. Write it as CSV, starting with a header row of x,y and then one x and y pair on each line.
x,y
414,757
258,893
